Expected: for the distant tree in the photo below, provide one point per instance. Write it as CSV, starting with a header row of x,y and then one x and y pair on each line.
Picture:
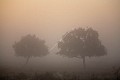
x,y
30,46
81,43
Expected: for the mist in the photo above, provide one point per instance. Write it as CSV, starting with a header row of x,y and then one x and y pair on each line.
x,y
50,20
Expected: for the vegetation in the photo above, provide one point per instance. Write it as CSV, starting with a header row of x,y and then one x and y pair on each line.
x,y
30,46
81,43
6,75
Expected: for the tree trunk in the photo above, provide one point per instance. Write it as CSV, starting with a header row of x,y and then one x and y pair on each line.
x,y
84,64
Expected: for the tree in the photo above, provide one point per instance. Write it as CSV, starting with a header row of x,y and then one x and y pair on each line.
x,y
81,43
30,46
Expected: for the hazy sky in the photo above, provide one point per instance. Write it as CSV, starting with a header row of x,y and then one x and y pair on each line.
x,y
50,19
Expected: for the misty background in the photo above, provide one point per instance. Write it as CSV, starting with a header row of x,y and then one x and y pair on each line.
x,y
50,20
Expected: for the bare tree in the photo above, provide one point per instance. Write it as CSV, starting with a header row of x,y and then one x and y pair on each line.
x,y
81,43
30,46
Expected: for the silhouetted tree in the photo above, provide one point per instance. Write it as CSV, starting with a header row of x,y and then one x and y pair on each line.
x,y
30,46
81,43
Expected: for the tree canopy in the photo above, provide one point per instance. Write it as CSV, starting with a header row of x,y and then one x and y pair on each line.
x,y
81,42
29,46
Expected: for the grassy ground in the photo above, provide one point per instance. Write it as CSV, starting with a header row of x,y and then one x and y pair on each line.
x,y
114,74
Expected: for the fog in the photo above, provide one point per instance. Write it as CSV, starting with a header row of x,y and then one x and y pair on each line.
x,y
50,20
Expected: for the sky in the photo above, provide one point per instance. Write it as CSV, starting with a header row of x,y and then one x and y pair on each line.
x,y
50,19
